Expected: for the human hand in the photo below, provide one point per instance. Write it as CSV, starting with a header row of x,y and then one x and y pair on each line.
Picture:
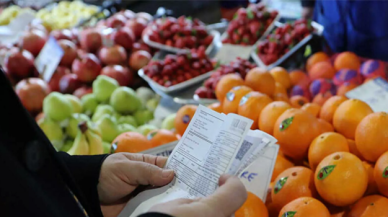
x,y
223,203
122,173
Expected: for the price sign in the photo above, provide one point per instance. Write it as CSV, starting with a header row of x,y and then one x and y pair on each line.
x,y
21,21
48,59
374,92
229,52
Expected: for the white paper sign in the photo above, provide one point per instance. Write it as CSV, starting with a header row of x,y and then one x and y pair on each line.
x,y
21,21
48,59
374,92
163,150
230,52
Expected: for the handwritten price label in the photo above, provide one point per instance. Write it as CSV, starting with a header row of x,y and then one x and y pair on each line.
x,y
374,92
48,59
229,52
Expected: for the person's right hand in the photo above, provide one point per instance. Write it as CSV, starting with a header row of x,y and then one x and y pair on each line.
x,y
223,203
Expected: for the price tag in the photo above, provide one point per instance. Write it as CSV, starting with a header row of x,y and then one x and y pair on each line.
x,y
229,52
48,59
21,21
374,92
163,150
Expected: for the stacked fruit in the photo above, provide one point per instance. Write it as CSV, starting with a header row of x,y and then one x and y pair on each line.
x,y
249,25
179,32
82,126
283,39
238,66
175,69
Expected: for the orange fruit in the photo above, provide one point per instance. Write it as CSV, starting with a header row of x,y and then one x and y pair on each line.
x,y
216,107
279,88
322,70
281,97
348,115
372,137
298,101
253,206
316,58
281,76
260,80
312,108
343,89
373,205
372,187
324,145
281,164
381,174
226,83
132,142
183,118
300,78
251,105
353,149
305,207
347,60
324,126
341,178
161,137
270,114
321,98
291,184
330,106
295,129
233,97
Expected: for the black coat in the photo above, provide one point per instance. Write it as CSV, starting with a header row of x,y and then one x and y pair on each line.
x,y
35,180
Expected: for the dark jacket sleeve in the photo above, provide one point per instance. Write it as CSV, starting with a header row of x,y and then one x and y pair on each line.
x,y
308,3
154,214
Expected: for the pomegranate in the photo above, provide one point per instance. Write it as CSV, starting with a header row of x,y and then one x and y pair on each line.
x,y
90,40
19,63
33,41
116,21
139,59
58,74
114,55
62,34
82,91
148,17
87,67
140,46
123,37
122,74
69,83
69,52
137,26
31,92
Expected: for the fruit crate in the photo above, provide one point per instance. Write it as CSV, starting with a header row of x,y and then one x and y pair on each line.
x,y
297,52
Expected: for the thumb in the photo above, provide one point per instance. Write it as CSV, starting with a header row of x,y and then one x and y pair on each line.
x,y
141,173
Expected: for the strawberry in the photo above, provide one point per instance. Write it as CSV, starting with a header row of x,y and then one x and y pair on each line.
x,y
166,25
216,74
215,82
167,83
246,38
210,94
174,82
208,40
174,28
272,47
201,52
188,76
196,65
201,31
167,70
254,27
274,14
198,22
241,13
241,30
181,60
168,43
180,78
181,21
180,43
201,92
236,38
190,41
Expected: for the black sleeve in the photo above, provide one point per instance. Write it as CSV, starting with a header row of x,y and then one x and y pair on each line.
x,y
308,3
86,171
154,214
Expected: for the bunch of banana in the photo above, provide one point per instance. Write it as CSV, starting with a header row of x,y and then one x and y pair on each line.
x,y
87,142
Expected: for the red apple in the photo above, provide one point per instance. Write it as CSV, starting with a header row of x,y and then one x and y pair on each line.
x,y
116,21
70,52
128,14
140,46
82,91
86,67
62,34
90,40
122,74
114,55
58,74
137,26
69,83
148,17
124,37
139,59
31,92
33,41
19,63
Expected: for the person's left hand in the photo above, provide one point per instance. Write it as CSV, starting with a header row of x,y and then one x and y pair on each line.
x,y
122,173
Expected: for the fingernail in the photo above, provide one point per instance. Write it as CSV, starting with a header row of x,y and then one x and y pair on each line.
x,y
167,173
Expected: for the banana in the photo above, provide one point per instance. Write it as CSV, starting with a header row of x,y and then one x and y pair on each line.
x,y
95,143
80,145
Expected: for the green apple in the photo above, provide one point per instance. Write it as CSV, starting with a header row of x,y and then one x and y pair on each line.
x,y
145,129
117,115
128,119
72,127
101,110
143,116
51,128
75,102
145,94
106,147
103,87
152,104
67,145
126,128
108,128
125,101
57,107
89,104
168,122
